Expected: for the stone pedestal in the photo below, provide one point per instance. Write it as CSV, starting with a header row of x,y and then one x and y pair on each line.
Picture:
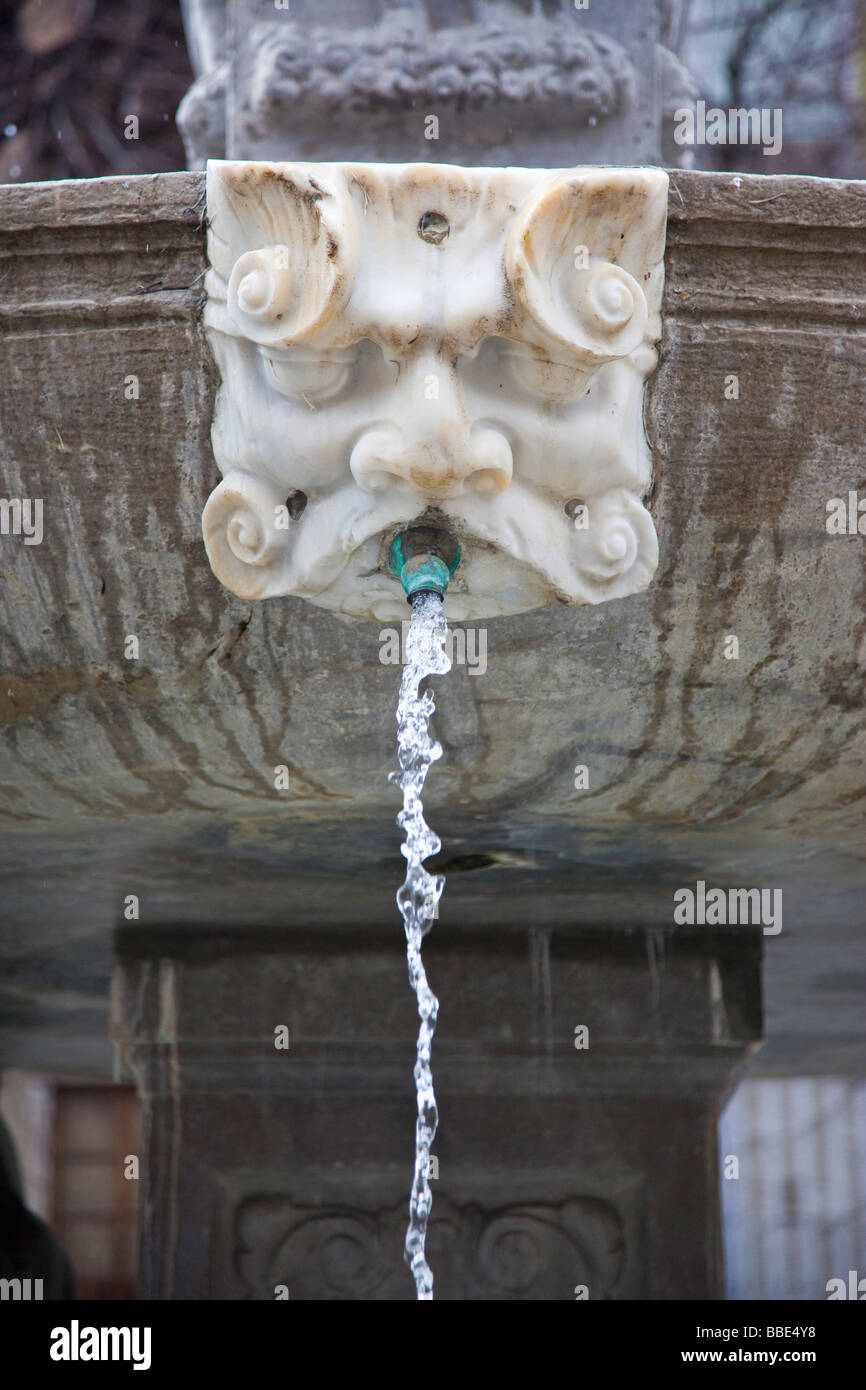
x,y
564,1170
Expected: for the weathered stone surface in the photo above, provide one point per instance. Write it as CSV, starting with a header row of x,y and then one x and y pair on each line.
x,y
155,777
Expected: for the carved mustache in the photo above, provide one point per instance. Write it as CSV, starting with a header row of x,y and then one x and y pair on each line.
x,y
615,545
280,293
259,552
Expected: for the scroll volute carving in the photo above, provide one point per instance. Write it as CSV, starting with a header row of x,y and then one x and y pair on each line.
x,y
573,254
247,548
283,252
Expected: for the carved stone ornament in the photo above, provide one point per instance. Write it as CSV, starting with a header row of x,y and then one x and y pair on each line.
x,y
535,1250
427,343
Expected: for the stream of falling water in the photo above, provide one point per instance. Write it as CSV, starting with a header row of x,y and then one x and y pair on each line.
x,y
419,895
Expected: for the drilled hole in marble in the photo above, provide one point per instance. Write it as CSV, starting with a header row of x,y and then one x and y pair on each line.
x,y
574,508
295,504
433,227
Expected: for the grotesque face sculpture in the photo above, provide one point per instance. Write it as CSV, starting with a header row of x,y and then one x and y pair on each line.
x,y
427,344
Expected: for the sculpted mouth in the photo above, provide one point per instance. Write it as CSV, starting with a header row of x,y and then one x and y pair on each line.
x,y
474,535
512,543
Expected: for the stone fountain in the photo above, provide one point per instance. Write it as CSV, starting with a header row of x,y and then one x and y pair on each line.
x,y
182,812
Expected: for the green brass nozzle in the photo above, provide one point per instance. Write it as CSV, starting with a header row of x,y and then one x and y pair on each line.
x,y
423,560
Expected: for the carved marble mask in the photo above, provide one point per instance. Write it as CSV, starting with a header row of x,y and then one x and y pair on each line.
x,y
408,343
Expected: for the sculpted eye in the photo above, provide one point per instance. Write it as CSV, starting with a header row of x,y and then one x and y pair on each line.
x,y
544,377
313,375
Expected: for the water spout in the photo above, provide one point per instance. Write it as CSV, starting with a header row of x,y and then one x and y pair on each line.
x,y
419,895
